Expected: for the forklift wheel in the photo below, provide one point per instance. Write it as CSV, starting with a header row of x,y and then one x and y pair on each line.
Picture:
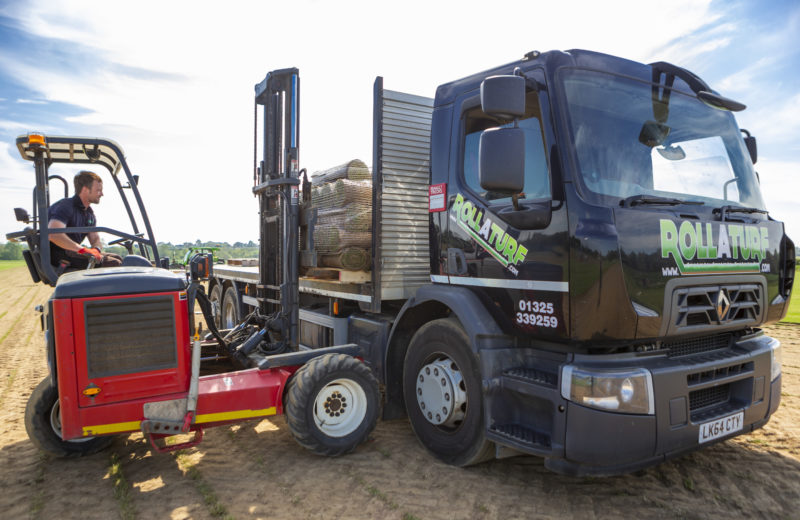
x,y
43,423
332,404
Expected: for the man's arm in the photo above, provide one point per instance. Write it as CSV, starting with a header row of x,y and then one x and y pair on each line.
x,y
94,239
61,239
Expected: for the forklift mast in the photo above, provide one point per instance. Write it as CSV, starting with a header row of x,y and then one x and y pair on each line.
x,y
276,183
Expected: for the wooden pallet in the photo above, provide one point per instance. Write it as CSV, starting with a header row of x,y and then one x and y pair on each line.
x,y
341,275
245,262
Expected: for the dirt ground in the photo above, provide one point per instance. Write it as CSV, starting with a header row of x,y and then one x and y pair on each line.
x,y
255,470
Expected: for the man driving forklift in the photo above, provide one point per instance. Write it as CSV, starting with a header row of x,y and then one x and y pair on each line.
x,y
66,251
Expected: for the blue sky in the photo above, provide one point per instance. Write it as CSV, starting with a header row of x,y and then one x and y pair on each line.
x,y
172,82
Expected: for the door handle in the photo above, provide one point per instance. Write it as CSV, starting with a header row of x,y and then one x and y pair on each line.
x,y
456,261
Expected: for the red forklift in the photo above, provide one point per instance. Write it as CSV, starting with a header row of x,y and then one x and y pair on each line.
x,y
123,350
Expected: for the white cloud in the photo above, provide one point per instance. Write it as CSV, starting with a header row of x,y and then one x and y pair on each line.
x,y
22,127
744,79
686,50
12,171
776,177
776,123
31,102
17,188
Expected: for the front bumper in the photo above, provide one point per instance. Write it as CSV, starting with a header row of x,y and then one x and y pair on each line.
x,y
688,392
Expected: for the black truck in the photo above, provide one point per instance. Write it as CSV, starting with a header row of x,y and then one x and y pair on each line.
x,y
571,258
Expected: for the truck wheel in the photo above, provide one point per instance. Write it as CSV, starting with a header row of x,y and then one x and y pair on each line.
x,y
332,404
230,309
442,391
43,423
216,299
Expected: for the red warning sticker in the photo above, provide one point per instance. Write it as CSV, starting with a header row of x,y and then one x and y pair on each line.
x,y
437,197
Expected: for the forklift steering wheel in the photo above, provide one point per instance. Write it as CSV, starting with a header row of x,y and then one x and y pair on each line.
x,y
126,243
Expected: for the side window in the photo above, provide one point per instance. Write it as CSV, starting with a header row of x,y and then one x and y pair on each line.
x,y
537,176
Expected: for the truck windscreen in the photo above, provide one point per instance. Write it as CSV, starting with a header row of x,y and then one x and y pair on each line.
x,y
634,138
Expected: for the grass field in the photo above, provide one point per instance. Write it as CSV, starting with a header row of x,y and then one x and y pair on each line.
x,y
8,264
793,316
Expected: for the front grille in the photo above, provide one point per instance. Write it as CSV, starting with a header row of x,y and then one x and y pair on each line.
x,y
130,335
733,304
706,376
694,346
708,397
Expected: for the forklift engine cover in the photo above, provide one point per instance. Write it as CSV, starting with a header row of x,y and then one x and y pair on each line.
x,y
117,281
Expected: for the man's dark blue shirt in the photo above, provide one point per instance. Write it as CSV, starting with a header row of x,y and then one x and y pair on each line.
x,y
71,212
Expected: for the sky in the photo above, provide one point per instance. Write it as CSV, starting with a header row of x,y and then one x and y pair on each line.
x,y
172,83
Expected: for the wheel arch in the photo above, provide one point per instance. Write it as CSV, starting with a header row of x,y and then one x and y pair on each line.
x,y
431,302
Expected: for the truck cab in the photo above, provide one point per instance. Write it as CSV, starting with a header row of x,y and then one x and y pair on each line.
x,y
610,221
627,271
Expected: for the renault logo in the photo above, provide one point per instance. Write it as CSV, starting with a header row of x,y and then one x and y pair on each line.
x,y
723,305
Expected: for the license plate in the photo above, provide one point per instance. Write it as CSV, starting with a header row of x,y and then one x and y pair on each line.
x,y
721,427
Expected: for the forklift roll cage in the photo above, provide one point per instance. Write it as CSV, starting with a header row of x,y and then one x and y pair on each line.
x,y
44,151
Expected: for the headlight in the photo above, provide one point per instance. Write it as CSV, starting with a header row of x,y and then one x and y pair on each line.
x,y
623,391
776,360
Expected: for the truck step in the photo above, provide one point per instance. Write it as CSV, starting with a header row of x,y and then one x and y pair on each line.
x,y
520,436
532,376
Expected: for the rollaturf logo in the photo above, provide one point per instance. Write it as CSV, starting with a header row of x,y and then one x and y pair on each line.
x,y
708,248
490,234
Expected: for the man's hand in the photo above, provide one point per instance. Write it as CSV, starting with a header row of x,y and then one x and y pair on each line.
x,y
91,251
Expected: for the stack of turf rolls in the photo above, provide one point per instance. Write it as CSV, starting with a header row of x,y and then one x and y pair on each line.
x,y
343,233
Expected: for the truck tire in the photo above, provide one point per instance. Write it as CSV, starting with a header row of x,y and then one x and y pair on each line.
x,y
332,404
216,298
43,423
443,395
230,317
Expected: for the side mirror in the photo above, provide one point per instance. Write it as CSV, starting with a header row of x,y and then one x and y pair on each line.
x,y
503,96
22,215
750,143
501,163
135,181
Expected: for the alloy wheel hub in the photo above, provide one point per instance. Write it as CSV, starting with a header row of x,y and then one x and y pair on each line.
x,y
441,394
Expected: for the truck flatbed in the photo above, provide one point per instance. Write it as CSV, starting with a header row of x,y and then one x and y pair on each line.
x,y
332,288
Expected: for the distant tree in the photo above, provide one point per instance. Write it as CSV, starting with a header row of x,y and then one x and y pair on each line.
x,y
11,251
121,251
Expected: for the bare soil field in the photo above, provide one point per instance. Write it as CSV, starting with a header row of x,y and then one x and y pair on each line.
x,y
256,470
